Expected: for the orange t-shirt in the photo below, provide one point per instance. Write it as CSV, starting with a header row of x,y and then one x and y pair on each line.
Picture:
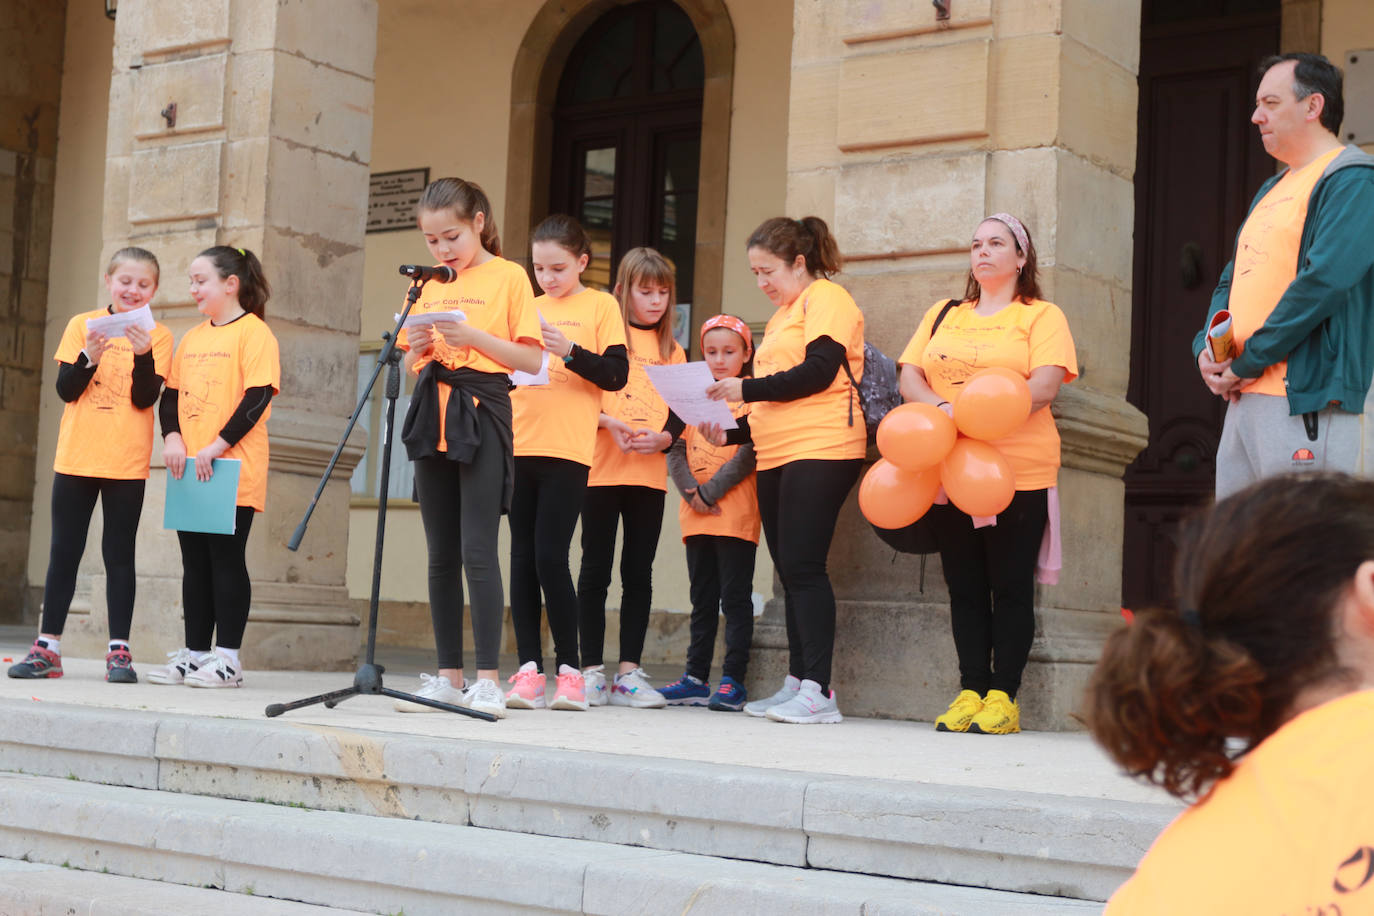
x,y
497,298
1267,262
638,406
102,433
558,420
1289,833
817,426
1021,337
212,369
739,507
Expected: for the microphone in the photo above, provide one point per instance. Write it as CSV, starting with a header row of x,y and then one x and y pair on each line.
x,y
443,273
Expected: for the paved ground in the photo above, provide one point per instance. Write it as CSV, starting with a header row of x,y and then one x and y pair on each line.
x,y
1056,763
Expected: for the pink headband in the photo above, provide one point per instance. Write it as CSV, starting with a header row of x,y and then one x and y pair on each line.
x,y
730,323
1018,231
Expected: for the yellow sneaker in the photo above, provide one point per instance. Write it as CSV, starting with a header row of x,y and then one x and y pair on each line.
x,y
960,713
1000,715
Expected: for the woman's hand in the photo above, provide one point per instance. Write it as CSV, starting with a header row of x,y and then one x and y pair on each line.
x,y
554,340
141,339
204,468
648,442
174,454
96,343
712,433
620,433
727,389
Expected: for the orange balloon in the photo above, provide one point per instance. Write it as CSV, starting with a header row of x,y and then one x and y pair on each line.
x,y
993,403
977,478
890,497
916,436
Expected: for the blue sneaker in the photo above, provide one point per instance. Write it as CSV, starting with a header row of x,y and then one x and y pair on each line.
x,y
729,696
687,691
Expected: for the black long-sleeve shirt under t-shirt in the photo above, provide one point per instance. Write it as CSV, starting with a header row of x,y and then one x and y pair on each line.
x,y
73,378
812,375
608,371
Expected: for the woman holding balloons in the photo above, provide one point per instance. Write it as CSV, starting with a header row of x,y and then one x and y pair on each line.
x,y
994,363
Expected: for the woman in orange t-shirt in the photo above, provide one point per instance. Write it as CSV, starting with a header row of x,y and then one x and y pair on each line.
x,y
110,385
218,399
1256,698
809,438
990,568
459,431
628,482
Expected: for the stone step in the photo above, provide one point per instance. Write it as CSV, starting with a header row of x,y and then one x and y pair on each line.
x,y
386,865
1014,841
36,889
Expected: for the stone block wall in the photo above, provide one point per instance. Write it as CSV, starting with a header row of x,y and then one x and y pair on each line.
x,y
31,46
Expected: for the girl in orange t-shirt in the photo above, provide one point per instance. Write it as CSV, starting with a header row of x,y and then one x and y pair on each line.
x,y
990,568
1256,698
458,431
719,516
555,438
629,481
218,399
109,385
809,435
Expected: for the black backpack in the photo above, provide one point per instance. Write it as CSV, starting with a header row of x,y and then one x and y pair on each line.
x,y
919,536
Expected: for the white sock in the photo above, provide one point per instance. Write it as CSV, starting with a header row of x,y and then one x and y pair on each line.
x,y
118,644
229,655
52,645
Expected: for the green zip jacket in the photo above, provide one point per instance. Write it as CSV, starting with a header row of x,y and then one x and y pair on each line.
x,y
1324,322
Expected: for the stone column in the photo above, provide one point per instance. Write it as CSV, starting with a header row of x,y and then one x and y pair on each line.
x,y
905,132
268,150
31,47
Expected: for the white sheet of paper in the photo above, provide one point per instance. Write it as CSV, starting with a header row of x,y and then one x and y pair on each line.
x,y
683,387
427,319
532,378
115,325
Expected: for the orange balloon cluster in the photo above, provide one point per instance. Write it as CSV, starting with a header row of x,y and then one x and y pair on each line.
x,y
924,449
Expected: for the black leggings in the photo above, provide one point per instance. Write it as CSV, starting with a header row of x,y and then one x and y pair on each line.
x,y
543,516
991,577
602,510
799,503
722,575
215,589
460,506
73,501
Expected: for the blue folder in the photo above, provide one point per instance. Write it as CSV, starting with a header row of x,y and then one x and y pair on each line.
x,y
207,507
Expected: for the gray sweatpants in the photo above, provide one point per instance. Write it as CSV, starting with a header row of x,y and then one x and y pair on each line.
x,y
1259,439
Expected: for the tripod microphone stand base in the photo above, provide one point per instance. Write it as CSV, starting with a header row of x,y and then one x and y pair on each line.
x,y
368,680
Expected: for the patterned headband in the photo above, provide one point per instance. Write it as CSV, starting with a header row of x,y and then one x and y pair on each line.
x,y
1017,230
730,323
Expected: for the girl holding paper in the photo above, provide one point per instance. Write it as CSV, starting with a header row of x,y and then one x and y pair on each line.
x,y
629,481
458,431
809,436
218,399
110,385
555,437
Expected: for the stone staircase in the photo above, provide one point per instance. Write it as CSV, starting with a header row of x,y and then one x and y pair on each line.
x,y
138,804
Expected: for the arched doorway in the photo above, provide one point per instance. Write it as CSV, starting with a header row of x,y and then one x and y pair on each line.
x,y
627,137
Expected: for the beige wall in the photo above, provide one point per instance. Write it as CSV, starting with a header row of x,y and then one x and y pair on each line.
x,y
411,87
74,281
1348,25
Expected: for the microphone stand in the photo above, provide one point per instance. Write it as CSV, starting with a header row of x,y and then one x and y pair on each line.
x,y
368,678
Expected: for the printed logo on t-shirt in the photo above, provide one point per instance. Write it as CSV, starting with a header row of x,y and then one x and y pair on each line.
x,y
1303,458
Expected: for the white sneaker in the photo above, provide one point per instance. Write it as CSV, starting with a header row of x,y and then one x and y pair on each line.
x,y
215,672
432,687
179,664
759,708
484,696
633,689
808,707
594,679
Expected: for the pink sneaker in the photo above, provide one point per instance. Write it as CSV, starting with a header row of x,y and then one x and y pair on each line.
x,y
528,692
571,693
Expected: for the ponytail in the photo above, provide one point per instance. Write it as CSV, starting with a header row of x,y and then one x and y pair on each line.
x,y
809,237
465,199
242,263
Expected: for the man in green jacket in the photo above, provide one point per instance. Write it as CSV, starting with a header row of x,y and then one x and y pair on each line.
x,y
1300,291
